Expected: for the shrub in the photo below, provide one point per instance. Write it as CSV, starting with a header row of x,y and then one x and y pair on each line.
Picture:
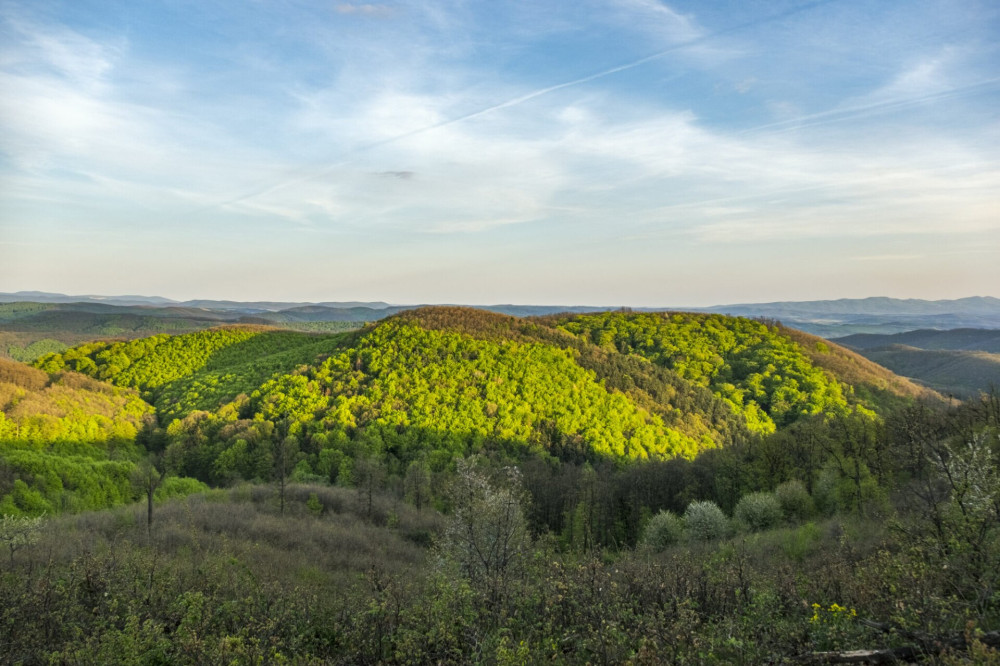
x,y
799,542
796,504
758,511
663,530
178,486
704,521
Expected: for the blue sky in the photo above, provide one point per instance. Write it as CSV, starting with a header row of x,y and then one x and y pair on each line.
x,y
589,152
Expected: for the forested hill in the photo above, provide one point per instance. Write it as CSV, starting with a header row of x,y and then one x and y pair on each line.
x,y
770,374
436,383
68,442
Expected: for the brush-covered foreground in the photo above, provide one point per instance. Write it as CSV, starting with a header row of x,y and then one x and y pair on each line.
x,y
791,571
345,578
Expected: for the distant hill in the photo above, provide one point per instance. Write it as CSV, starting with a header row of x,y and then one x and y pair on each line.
x,y
48,297
830,319
960,362
879,305
961,339
843,317
960,373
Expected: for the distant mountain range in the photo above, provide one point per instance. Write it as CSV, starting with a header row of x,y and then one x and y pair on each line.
x,y
133,300
830,319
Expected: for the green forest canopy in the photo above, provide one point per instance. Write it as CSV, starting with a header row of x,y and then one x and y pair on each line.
x,y
432,384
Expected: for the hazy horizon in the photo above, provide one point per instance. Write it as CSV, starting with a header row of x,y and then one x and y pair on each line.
x,y
679,306
653,154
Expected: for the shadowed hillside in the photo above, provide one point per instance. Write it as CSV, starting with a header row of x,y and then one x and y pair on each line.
x,y
959,339
962,374
960,362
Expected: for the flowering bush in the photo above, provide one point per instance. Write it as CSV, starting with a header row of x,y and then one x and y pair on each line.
x,y
831,627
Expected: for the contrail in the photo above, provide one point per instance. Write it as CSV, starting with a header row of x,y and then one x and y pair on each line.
x,y
836,115
513,102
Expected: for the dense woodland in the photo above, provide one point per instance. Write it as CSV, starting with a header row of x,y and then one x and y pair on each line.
x,y
454,485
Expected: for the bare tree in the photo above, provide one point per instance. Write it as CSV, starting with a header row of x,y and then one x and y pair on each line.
x,y
284,461
487,536
16,533
146,479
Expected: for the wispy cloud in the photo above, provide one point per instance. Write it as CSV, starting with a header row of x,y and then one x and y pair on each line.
x,y
364,9
631,129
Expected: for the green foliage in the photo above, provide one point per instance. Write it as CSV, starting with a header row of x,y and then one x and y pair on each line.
x,y
796,503
406,389
314,505
38,409
417,483
704,521
799,542
220,362
758,511
662,531
38,348
67,442
763,375
177,486
52,483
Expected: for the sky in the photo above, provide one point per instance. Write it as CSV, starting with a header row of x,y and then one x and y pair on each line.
x,y
593,152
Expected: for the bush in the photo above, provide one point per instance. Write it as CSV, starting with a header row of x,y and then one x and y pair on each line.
x,y
663,530
796,504
705,521
758,511
178,486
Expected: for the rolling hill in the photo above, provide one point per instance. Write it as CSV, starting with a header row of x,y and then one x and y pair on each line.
x,y
962,374
436,384
68,442
960,362
959,339
34,323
